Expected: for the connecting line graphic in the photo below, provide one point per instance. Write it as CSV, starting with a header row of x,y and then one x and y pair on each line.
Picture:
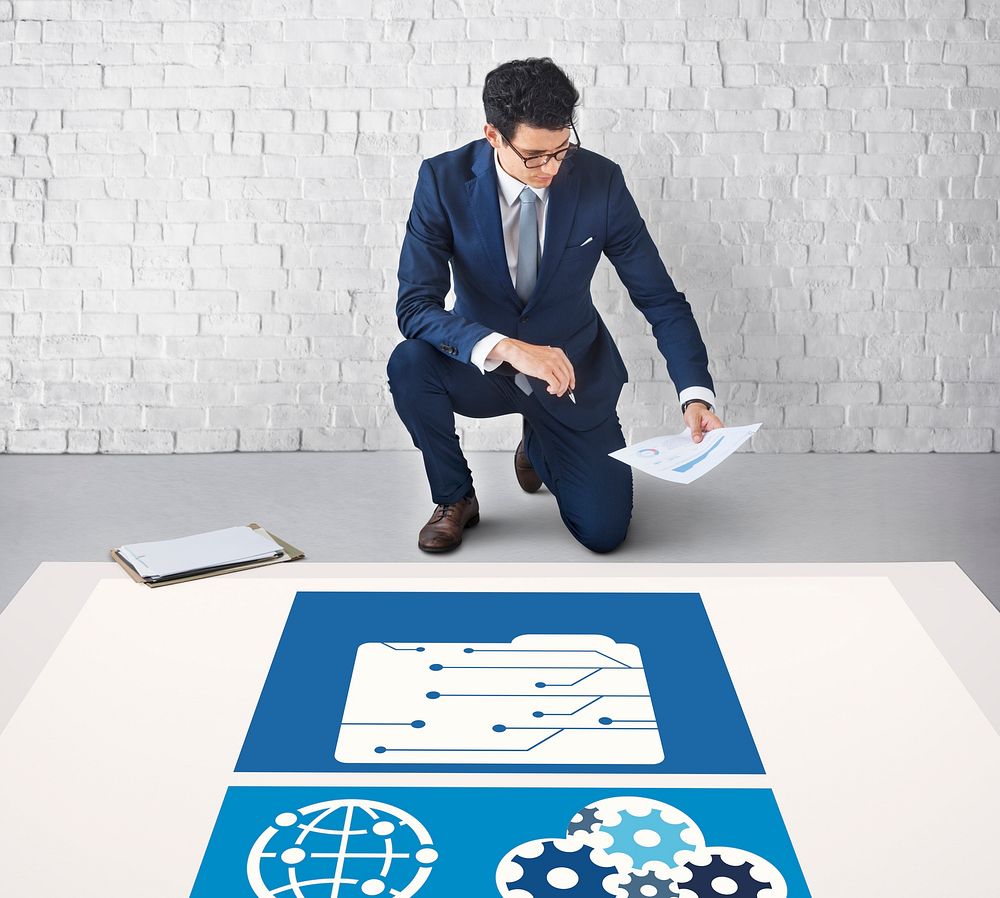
x,y
594,699
540,685
607,724
387,711
621,664
500,728
591,669
470,651
594,695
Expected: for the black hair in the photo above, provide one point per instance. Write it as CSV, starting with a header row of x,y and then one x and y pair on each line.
x,y
533,92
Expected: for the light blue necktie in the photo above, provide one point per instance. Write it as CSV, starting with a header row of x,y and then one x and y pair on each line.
x,y
527,246
527,259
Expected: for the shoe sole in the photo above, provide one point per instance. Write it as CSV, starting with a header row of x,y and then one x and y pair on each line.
x,y
470,523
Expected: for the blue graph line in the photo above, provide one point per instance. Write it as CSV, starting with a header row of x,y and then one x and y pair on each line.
x,y
690,464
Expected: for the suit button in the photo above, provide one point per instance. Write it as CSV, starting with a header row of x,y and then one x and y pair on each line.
x,y
525,318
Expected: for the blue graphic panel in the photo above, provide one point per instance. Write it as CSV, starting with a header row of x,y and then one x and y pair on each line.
x,y
570,682
450,841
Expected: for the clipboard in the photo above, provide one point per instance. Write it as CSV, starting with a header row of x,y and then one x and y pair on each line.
x,y
289,553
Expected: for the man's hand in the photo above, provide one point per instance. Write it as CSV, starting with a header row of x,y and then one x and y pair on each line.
x,y
699,418
548,363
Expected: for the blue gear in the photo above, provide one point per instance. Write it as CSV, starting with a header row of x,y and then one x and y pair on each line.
x,y
588,824
670,838
702,876
638,880
535,870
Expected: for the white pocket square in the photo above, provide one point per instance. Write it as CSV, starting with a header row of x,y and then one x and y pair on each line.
x,y
585,242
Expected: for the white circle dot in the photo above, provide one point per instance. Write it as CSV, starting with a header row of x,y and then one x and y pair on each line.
x,y
286,819
649,891
562,878
723,885
373,887
383,828
426,856
293,855
647,838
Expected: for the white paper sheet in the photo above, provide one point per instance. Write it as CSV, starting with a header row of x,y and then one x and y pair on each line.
x,y
677,458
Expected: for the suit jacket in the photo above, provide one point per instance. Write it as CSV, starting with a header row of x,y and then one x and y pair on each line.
x,y
455,218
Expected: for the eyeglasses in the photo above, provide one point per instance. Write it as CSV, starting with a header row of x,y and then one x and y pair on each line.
x,y
543,158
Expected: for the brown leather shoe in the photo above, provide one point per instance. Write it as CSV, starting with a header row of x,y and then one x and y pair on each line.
x,y
526,475
443,531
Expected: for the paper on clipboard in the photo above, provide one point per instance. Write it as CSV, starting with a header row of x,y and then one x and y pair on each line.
x,y
289,553
213,548
678,458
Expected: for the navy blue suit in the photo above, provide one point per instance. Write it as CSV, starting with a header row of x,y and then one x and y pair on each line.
x,y
455,218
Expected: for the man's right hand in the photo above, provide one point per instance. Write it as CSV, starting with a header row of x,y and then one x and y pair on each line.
x,y
548,363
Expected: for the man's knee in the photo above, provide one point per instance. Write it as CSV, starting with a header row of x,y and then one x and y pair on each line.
x,y
408,361
603,540
604,534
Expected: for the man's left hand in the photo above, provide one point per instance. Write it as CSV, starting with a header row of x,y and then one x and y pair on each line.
x,y
699,419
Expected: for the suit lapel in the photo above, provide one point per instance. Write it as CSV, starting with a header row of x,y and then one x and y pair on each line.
x,y
484,199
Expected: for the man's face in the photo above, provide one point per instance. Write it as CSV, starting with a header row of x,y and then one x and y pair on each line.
x,y
529,142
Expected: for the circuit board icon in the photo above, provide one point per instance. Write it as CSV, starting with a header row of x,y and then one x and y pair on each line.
x,y
540,699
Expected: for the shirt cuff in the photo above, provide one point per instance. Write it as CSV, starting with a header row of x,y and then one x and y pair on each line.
x,y
699,393
483,349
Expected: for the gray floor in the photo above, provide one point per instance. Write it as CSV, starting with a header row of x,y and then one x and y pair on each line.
x,y
355,506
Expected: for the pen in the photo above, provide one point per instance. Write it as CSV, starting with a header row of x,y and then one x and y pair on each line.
x,y
571,396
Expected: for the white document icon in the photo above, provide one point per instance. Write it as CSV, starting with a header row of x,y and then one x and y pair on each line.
x,y
541,699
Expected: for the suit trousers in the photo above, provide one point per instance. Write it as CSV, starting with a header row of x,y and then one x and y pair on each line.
x,y
593,491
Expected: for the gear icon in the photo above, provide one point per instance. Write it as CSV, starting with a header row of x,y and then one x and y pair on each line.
x,y
561,866
647,885
702,877
588,822
646,837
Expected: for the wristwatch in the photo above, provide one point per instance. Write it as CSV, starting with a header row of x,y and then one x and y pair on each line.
x,y
704,402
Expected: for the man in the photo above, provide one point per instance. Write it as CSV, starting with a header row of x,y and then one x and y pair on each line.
x,y
523,216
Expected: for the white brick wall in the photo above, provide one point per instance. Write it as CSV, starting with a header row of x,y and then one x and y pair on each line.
x,y
202,204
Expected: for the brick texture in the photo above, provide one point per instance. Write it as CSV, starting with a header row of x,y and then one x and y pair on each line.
x,y
202,205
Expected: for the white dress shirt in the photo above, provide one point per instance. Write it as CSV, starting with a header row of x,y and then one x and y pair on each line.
x,y
509,192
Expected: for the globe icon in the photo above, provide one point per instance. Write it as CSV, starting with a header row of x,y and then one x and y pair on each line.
x,y
341,849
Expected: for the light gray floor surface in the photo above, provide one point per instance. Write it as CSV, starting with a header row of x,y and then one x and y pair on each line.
x,y
368,506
